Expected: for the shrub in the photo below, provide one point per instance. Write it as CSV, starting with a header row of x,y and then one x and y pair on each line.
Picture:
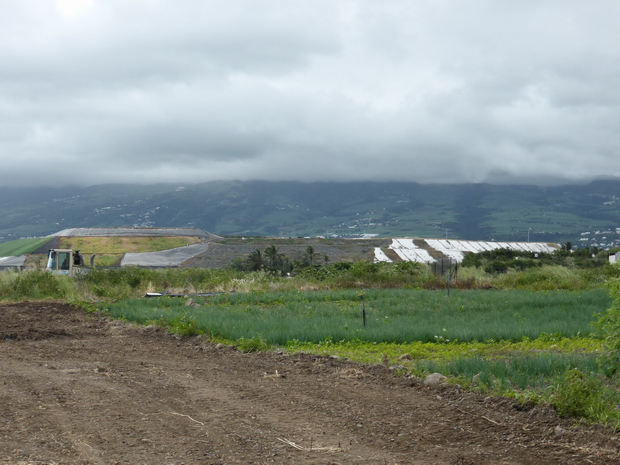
x,y
608,324
496,266
183,325
577,394
255,344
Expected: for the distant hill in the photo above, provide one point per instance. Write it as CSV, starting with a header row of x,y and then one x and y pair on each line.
x,y
583,214
192,247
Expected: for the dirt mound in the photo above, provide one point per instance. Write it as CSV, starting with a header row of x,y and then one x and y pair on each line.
x,y
78,388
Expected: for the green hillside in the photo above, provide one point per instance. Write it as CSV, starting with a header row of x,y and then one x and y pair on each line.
x,y
557,214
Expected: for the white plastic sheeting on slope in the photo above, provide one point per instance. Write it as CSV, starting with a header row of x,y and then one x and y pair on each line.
x,y
171,257
450,249
380,255
408,251
455,250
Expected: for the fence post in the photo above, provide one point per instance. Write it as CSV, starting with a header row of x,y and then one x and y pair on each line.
x,y
363,310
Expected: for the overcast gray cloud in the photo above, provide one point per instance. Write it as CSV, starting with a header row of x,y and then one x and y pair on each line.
x,y
101,91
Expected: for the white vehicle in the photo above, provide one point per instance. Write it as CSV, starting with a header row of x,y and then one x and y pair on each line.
x,y
65,261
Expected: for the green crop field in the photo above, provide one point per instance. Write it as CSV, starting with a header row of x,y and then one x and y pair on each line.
x,y
22,246
394,316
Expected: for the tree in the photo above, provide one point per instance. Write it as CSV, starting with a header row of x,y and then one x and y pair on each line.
x,y
276,261
255,261
272,257
309,257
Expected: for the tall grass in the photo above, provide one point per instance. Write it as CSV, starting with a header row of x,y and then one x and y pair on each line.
x,y
395,316
128,282
546,278
36,284
132,282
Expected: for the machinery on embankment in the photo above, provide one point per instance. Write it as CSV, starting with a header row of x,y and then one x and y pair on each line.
x,y
66,261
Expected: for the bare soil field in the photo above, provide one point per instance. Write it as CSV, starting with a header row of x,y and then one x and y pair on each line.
x,y
78,388
223,252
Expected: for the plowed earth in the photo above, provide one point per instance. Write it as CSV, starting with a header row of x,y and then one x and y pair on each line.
x,y
77,388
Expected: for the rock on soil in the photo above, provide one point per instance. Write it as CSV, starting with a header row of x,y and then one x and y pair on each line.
x,y
78,388
434,379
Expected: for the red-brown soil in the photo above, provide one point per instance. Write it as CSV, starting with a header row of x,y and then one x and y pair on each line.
x,y
78,388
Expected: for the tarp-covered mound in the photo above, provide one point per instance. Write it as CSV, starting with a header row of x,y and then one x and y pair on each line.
x,y
12,262
171,257
113,232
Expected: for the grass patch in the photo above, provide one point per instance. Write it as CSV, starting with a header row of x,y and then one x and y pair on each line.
x,y
410,353
130,244
104,259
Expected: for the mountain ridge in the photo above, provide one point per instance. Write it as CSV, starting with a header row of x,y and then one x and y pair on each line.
x,y
328,209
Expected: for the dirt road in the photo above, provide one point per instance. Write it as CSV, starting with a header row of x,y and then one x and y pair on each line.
x,y
78,388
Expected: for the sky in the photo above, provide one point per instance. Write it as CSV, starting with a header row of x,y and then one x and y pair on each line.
x,y
187,91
